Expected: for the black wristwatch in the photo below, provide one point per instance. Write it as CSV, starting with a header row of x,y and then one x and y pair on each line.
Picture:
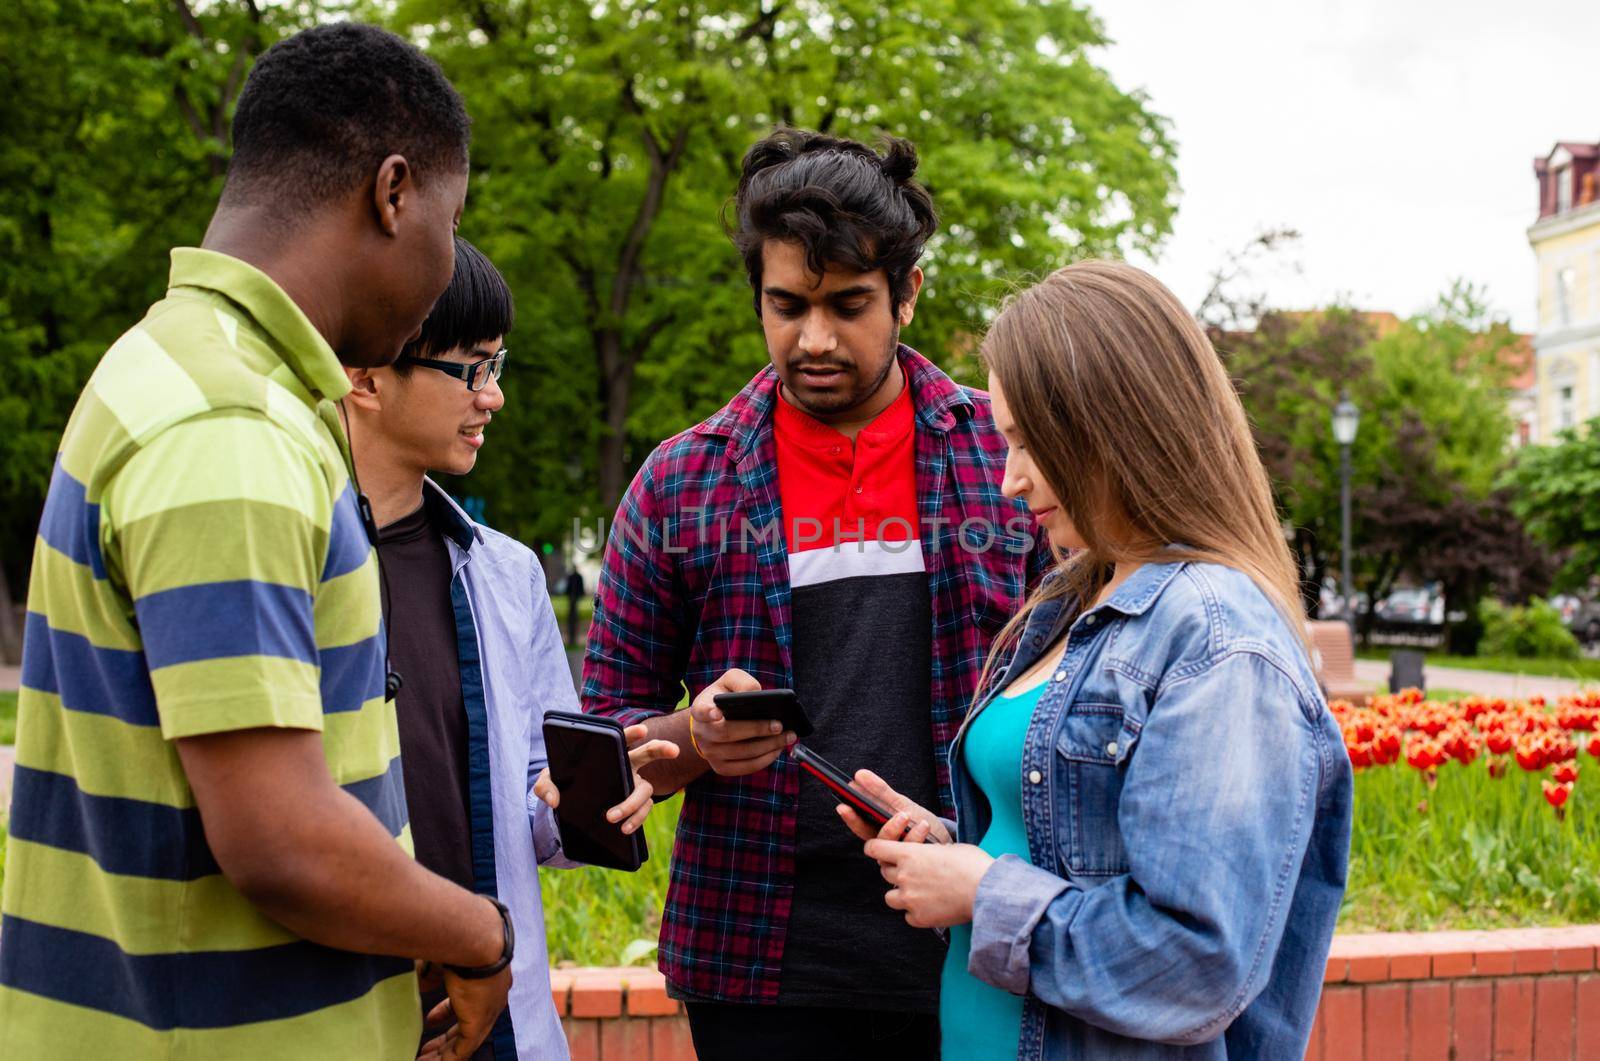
x,y
483,972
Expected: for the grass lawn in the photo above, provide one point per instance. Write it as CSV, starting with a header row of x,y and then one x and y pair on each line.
x,y
606,917
1445,693
1486,854
8,718
1583,670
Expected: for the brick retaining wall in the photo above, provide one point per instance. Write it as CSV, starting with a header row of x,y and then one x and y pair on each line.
x,y
1454,996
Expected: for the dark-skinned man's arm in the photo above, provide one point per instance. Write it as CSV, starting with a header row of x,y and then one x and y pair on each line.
x,y
315,859
241,560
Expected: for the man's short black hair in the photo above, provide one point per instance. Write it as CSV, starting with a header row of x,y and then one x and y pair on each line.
x,y
846,204
323,108
476,306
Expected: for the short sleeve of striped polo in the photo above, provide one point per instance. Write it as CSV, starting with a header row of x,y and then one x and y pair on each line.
x,y
220,525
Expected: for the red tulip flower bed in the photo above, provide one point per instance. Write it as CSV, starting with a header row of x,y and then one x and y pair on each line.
x,y
1469,813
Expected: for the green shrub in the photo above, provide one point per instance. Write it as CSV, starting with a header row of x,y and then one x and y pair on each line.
x,y
1531,632
8,718
1486,853
606,917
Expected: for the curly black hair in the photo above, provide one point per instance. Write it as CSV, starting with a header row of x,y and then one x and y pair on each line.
x,y
846,204
323,108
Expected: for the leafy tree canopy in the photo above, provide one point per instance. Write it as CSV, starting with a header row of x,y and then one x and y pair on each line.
x,y
1558,492
608,138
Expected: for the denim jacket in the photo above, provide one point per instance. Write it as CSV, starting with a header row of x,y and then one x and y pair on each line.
x,y
1187,800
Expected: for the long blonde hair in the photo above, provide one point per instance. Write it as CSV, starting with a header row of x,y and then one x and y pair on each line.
x,y
1128,413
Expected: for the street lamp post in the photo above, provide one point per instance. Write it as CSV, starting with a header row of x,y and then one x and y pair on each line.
x,y
1346,419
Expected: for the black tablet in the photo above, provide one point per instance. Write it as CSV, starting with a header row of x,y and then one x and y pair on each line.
x,y
781,704
589,765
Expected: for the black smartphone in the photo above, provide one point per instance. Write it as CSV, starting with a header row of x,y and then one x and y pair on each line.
x,y
843,786
589,764
781,704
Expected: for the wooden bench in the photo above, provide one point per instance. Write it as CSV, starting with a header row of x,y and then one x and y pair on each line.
x,y
1333,656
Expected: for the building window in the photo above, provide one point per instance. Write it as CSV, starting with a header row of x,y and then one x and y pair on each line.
x,y
1563,179
1566,286
1566,412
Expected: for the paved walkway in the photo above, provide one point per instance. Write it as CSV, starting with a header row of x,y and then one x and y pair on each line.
x,y
1482,682
8,759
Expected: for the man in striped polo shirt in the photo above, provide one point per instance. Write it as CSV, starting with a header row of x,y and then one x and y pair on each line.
x,y
209,852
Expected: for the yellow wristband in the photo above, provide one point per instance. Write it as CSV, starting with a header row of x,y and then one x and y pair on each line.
x,y
692,741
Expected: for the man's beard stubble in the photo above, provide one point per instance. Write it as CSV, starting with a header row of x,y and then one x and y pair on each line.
x,y
857,398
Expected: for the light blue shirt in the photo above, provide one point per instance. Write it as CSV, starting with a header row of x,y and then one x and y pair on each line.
x,y
513,669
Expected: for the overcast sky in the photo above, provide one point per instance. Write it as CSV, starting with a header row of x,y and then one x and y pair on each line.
x,y
1397,136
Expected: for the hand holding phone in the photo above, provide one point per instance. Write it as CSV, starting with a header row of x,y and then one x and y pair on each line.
x,y
631,813
780,704
744,742
872,809
591,773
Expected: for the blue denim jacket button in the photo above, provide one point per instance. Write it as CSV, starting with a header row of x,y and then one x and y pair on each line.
x,y
1111,749
1059,676
1034,777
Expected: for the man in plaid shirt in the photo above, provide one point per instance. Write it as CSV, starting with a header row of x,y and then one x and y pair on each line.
x,y
837,528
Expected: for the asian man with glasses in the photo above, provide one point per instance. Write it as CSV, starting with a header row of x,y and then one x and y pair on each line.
x,y
472,634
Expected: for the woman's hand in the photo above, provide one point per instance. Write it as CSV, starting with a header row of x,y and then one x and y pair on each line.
x,y
632,811
911,822
935,884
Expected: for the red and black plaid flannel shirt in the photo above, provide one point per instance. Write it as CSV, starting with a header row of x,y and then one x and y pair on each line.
x,y
696,581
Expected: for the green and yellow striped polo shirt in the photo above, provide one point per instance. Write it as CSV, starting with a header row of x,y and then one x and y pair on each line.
x,y
201,567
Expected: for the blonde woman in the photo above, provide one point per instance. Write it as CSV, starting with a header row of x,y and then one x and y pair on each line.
x,y
1153,802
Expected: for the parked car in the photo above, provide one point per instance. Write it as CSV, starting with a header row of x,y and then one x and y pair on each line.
x,y
1332,605
1582,617
1411,608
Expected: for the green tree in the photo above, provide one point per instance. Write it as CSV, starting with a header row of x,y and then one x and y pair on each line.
x,y
1557,490
1435,445
1432,391
113,137
1290,369
608,138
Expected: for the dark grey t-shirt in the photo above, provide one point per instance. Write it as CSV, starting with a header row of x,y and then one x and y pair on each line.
x,y
862,662
432,716
862,655
429,708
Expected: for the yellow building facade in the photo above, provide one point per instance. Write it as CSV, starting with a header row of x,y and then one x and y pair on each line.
x,y
1566,246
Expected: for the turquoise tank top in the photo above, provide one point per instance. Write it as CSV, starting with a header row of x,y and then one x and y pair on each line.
x,y
978,1021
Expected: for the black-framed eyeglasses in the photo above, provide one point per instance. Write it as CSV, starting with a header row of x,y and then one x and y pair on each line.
x,y
475,374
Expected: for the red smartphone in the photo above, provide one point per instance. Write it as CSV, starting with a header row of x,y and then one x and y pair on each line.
x,y
841,785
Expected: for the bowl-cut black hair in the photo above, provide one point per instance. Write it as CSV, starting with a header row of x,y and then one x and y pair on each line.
x,y
476,306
